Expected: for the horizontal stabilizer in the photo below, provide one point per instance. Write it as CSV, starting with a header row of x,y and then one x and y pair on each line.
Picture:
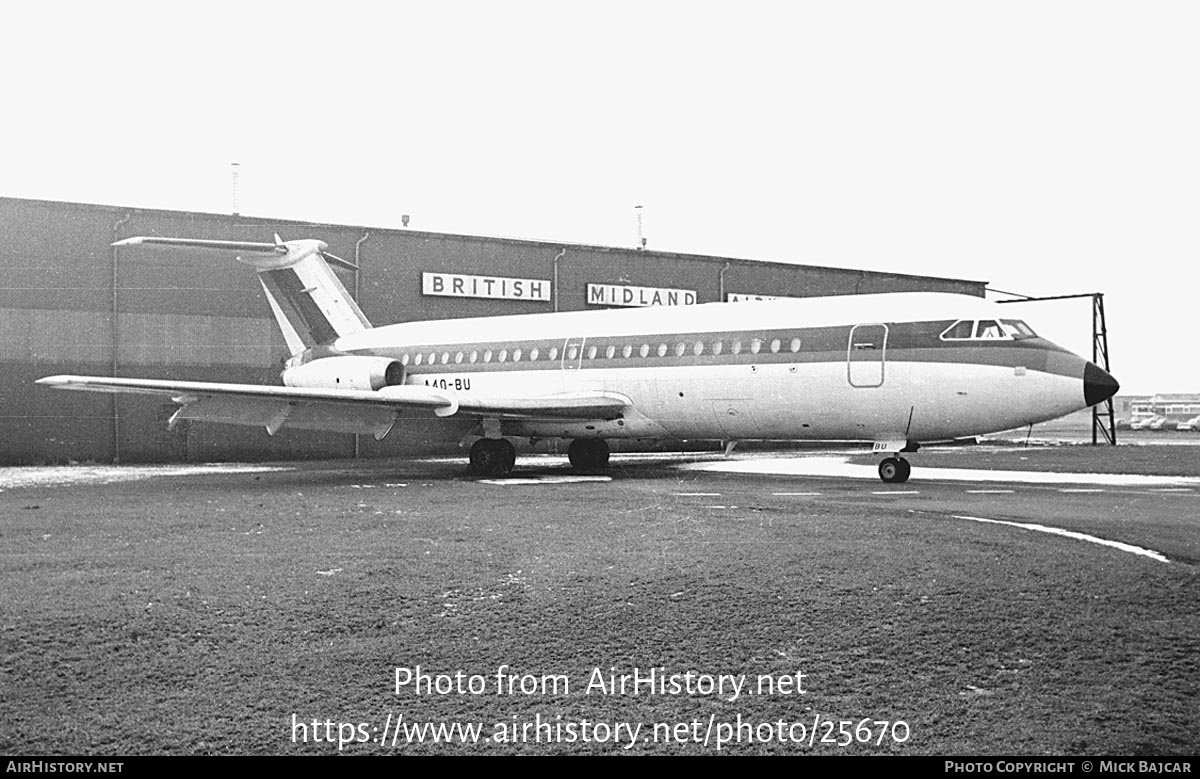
x,y
310,304
198,243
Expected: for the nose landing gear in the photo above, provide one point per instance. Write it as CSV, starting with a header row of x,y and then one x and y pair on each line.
x,y
894,470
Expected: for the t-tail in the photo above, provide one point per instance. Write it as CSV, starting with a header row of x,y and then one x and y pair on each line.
x,y
309,302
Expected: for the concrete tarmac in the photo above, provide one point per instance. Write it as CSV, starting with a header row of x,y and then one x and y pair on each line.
x,y
210,609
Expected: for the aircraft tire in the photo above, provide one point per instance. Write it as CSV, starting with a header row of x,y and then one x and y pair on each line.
x,y
894,470
588,454
492,457
508,455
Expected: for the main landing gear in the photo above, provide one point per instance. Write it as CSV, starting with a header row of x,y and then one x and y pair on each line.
x,y
588,454
492,457
894,470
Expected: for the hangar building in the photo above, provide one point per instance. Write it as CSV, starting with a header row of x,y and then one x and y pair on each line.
x,y
70,302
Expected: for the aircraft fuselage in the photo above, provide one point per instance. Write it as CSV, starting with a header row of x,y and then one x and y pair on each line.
x,y
871,367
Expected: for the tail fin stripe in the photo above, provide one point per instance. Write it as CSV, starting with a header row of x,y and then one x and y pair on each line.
x,y
299,308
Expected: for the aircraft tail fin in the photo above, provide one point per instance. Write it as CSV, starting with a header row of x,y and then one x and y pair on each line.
x,y
308,300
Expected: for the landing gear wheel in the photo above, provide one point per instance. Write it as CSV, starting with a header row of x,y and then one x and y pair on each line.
x,y
492,457
894,470
509,454
588,454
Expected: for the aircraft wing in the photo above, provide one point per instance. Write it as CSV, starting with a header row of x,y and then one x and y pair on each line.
x,y
573,405
353,411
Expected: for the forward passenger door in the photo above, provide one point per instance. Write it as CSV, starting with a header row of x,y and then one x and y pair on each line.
x,y
866,355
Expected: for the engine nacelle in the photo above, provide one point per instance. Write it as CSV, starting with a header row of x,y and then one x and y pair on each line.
x,y
348,372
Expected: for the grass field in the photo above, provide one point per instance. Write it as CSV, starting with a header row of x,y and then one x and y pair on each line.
x,y
213,613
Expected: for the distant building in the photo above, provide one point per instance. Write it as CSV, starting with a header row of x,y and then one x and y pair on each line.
x,y
1176,406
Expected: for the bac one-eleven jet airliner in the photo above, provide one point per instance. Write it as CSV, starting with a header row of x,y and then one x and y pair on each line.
x,y
894,370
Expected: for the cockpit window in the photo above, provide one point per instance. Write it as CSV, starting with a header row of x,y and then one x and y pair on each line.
x,y
1017,329
988,330
959,330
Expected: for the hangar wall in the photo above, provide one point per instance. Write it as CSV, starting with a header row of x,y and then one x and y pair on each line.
x,y
72,303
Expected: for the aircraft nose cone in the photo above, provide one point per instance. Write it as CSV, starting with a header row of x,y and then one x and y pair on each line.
x,y
1098,384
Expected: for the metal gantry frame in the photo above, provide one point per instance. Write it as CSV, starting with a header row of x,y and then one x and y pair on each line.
x,y
1099,357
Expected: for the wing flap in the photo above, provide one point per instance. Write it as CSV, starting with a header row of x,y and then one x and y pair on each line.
x,y
273,415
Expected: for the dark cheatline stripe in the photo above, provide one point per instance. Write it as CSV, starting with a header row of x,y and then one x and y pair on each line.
x,y
298,306
906,342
